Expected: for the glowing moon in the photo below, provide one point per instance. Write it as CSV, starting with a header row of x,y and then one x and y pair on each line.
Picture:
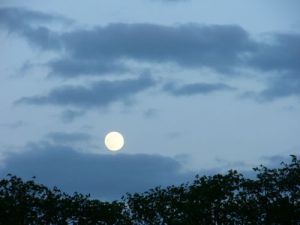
x,y
114,141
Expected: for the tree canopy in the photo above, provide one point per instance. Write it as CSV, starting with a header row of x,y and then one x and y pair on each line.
x,y
273,197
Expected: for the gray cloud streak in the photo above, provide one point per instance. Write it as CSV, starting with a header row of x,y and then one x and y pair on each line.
x,y
63,137
70,68
98,94
195,88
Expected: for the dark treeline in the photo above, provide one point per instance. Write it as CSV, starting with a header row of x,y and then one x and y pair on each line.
x,y
273,197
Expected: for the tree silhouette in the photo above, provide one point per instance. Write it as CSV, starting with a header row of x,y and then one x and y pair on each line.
x,y
272,198
30,203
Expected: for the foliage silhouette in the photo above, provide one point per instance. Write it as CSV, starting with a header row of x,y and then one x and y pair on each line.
x,y
272,198
30,203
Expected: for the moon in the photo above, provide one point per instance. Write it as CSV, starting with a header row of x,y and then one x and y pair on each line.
x,y
114,141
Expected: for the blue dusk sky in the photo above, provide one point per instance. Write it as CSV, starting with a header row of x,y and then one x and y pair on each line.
x,y
195,87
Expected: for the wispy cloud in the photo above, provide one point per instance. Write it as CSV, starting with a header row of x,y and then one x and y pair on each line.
x,y
69,115
13,125
195,88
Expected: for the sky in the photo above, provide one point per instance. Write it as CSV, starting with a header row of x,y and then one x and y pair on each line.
x,y
195,87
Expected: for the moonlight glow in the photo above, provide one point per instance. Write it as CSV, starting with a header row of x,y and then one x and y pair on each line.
x,y
114,141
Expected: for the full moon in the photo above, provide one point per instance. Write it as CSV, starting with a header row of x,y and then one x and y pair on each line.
x,y
114,141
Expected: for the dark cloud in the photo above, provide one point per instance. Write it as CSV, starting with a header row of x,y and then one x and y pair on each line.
x,y
281,54
195,88
18,19
103,49
216,46
283,86
98,94
106,176
280,86
43,38
69,115
30,24
63,137
222,48
100,50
